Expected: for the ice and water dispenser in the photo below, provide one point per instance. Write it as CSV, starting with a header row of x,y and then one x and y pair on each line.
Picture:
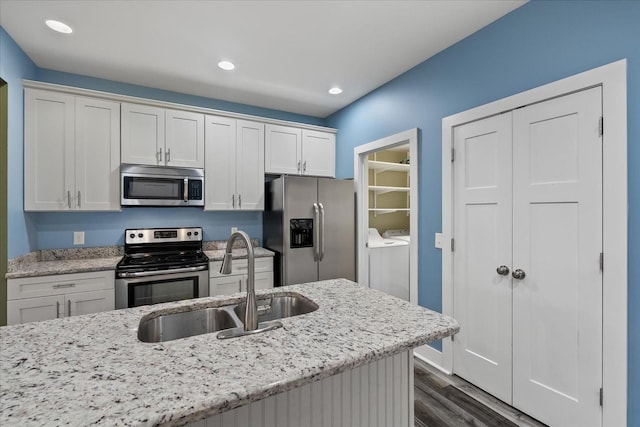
x,y
301,233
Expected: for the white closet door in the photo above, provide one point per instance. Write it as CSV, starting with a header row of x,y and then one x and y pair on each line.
x,y
482,230
557,224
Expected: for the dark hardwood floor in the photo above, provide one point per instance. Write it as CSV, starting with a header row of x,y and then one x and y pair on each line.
x,y
450,401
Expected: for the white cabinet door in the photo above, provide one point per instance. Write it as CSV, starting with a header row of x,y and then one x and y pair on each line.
x,y
225,285
220,161
142,136
184,143
89,302
48,150
250,165
234,164
97,155
34,309
283,150
318,153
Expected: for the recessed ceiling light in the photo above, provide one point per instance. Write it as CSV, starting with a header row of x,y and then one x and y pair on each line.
x,y
226,65
335,91
58,26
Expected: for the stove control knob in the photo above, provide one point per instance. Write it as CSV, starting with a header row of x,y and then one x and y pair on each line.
x,y
195,233
140,235
188,233
132,235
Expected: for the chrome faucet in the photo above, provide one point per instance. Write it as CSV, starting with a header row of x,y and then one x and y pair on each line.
x,y
251,312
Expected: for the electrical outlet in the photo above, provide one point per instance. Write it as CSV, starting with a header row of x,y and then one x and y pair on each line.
x,y
438,242
234,229
78,237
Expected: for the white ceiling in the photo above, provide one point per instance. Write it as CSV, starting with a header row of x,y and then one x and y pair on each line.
x,y
287,53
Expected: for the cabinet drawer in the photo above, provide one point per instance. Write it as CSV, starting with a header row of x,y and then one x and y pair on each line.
x,y
263,281
61,284
241,266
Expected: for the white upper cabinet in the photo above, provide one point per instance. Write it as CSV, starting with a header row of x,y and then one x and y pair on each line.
x,y
234,164
294,151
72,152
162,137
318,153
283,150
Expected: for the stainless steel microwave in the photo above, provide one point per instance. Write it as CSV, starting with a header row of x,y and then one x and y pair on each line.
x,y
161,186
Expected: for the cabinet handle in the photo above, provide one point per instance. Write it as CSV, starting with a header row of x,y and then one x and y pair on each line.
x,y
57,309
68,307
239,201
159,155
79,204
64,285
298,165
69,199
168,155
304,167
233,201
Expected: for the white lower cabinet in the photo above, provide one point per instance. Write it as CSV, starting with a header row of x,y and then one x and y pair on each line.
x,y
33,299
224,284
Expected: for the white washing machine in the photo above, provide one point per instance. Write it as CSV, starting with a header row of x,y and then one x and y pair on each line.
x,y
388,265
401,234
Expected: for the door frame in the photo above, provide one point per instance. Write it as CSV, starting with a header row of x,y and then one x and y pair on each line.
x,y
361,182
613,80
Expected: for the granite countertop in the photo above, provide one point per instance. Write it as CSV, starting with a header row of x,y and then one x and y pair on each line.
x,y
218,254
67,261
99,373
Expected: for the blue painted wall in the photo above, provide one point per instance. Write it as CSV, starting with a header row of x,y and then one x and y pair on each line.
x,y
538,43
30,231
15,66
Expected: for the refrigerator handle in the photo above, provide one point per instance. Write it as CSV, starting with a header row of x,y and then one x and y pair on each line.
x,y
316,230
321,256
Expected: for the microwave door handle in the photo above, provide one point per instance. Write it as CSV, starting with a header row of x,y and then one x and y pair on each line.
x,y
186,190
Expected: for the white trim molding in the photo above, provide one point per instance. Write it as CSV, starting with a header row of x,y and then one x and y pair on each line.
x,y
361,182
164,104
613,80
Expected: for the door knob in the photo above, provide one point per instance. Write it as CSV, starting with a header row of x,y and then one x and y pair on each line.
x,y
503,270
518,274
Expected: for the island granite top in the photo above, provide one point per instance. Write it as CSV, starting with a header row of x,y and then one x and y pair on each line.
x,y
92,369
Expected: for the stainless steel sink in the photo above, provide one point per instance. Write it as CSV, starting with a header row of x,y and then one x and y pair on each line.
x,y
186,324
280,306
227,318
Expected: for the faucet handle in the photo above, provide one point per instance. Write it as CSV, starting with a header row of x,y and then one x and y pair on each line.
x,y
225,268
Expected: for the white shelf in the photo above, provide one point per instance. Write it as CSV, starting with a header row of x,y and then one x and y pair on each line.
x,y
381,189
387,166
382,211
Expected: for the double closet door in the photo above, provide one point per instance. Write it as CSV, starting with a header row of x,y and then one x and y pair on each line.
x,y
527,257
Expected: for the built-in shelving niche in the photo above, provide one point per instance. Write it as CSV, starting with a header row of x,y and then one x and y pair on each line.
x,y
389,189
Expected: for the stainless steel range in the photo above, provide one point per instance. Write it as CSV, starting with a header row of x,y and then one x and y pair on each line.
x,y
161,265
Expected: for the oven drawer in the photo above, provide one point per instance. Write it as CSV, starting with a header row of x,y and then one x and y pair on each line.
x,y
241,266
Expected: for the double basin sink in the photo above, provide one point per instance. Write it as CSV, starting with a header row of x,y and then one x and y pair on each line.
x,y
167,327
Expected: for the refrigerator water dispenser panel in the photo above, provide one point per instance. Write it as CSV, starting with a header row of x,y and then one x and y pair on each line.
x,y
301,233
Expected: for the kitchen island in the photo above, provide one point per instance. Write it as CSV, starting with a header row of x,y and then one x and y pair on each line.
x,y
93,370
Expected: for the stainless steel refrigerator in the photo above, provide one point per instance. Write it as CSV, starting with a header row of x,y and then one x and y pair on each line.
x,y
310,224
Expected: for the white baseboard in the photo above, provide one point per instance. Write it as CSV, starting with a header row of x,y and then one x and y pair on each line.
x,y
431,356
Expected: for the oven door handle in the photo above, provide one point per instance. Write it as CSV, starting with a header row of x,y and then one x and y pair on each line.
x,y
124,274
